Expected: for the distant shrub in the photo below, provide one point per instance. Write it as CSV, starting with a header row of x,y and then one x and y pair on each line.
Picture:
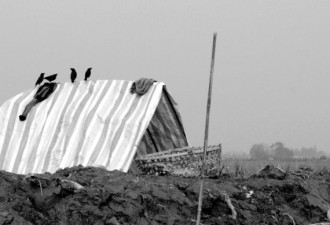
x,y
323,157
259,151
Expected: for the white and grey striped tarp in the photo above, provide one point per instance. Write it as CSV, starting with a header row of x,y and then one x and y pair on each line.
x,y
98,123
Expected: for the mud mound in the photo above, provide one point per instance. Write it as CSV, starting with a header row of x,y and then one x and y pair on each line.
x,y
117,198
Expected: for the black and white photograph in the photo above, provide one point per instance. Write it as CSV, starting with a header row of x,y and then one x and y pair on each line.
x,y
165,112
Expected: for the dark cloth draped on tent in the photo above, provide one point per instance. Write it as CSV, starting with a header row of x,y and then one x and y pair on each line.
x,y
142,86
42,93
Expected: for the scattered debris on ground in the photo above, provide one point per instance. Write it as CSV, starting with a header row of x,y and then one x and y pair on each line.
x,y
89,195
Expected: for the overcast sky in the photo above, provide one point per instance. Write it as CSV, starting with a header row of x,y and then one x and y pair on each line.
x,y
272,68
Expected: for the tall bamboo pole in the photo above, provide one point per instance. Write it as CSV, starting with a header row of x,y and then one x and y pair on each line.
x,y
200,199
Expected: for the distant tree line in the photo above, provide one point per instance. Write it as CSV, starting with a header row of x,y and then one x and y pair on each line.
x,y
279,151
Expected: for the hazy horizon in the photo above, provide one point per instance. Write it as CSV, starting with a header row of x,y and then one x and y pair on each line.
x,y
271,77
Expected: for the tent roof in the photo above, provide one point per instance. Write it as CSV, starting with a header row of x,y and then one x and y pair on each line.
x,y
77,124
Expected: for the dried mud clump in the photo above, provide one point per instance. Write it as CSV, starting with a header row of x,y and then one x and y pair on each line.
x,y
89,195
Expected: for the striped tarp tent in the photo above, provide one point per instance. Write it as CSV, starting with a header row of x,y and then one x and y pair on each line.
x,y
94,123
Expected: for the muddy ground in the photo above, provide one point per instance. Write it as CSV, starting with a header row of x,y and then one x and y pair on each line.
x,y
118,198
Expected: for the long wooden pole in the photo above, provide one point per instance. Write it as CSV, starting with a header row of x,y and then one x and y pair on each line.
x,y
200,199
